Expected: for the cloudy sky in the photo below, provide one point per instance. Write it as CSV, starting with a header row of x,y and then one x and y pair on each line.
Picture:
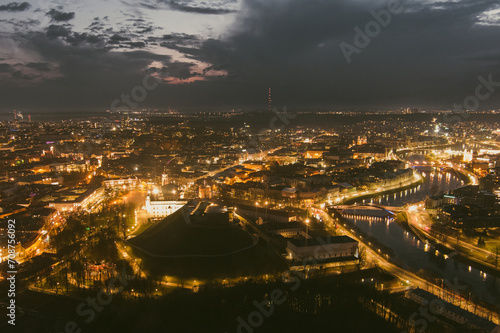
x,y
224,54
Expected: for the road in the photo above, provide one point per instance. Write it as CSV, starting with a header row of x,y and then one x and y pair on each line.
x,y
416,281
358,194
422,222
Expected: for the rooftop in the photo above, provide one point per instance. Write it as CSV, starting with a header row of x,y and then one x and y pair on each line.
x,y
318,241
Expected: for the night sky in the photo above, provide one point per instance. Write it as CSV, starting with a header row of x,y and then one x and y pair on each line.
x,y
224,54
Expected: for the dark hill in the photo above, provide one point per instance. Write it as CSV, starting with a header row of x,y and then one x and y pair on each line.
x,y
207,246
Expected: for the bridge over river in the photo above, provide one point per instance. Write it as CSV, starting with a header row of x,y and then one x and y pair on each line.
x,y
369,211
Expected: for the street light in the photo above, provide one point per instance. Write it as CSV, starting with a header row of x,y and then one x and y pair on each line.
x,y
307,230
256,205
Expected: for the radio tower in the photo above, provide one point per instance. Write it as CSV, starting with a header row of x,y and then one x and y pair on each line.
x,y
269,99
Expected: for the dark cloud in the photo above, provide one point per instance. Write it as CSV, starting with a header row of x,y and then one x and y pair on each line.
x,y
59,16
20,75
137,44
54,31
77,38
428,56
96,25
24,71
39,66
144,30
6,68
117,39
18,72
179,70
191,6
148,5
184,43
21,24
180,37
88,75
126,33
423,57
15,7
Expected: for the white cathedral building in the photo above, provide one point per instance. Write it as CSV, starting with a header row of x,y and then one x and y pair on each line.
x,y
165,202
162,208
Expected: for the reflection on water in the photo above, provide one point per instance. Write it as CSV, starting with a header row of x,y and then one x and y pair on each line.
x,y
436,183
414,255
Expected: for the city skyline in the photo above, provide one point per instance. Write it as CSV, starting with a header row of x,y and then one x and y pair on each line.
x,y
120,222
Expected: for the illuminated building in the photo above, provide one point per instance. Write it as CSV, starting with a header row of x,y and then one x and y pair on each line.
x,y
322,248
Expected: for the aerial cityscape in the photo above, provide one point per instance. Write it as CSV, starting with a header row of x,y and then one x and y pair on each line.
x,y
250,166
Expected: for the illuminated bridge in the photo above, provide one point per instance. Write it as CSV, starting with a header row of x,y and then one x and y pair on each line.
x,y
370,212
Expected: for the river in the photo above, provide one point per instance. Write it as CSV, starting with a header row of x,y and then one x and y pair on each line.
x,y
414,255
435,183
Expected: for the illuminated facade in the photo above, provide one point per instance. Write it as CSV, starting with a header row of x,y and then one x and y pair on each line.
x,y
322,248
162,208
468,155
75,199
